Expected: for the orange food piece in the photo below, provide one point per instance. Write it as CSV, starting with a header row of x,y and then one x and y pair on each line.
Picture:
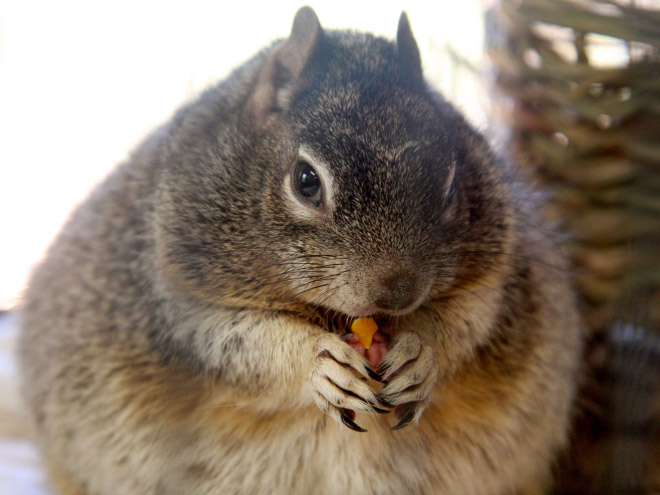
x,y
364,328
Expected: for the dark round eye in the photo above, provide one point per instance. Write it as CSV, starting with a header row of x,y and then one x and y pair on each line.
x,y
307,182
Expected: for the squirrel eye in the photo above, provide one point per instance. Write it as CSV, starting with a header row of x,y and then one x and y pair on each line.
x,y
307,182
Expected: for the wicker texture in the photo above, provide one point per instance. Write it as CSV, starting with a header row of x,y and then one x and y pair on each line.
x,y
591,132
579,85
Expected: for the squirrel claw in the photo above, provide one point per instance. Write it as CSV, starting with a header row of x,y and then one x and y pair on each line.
x,y
345,418
405,414
374,375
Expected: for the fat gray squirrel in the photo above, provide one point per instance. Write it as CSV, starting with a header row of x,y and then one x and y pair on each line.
x,y
183,334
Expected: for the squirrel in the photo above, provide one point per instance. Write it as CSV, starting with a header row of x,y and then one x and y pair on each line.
x,y
181,335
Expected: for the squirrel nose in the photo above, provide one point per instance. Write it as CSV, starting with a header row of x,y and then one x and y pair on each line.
x,y
395,292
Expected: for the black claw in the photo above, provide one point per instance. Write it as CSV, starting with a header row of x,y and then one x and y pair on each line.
x,y
374,375
406,414
384,403
379,410
350,423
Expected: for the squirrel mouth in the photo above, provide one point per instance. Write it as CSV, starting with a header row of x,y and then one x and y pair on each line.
x,y
340,323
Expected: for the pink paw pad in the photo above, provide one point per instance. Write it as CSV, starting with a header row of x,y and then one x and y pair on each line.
x,y
375,354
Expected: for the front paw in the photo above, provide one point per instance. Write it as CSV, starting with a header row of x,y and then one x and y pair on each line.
x,y
337,387
411,371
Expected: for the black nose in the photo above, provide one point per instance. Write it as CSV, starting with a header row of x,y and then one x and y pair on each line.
x,y
396,291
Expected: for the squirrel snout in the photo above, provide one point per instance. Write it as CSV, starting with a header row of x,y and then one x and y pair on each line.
x,y
396,292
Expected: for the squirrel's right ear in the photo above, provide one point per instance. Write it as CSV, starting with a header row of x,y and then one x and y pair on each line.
x,y
407,49
285,64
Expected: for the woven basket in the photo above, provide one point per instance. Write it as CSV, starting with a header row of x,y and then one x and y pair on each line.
x,y
590,130
579,94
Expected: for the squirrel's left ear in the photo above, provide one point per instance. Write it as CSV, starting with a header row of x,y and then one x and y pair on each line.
x,y
407,48
285,64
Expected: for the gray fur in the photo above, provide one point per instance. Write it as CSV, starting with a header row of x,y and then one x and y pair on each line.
x,y
168,340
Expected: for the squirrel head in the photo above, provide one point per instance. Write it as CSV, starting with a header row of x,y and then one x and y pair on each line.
x,y
326,173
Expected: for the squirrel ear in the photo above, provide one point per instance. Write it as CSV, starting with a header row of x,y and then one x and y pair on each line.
x,y
285,64
407,48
